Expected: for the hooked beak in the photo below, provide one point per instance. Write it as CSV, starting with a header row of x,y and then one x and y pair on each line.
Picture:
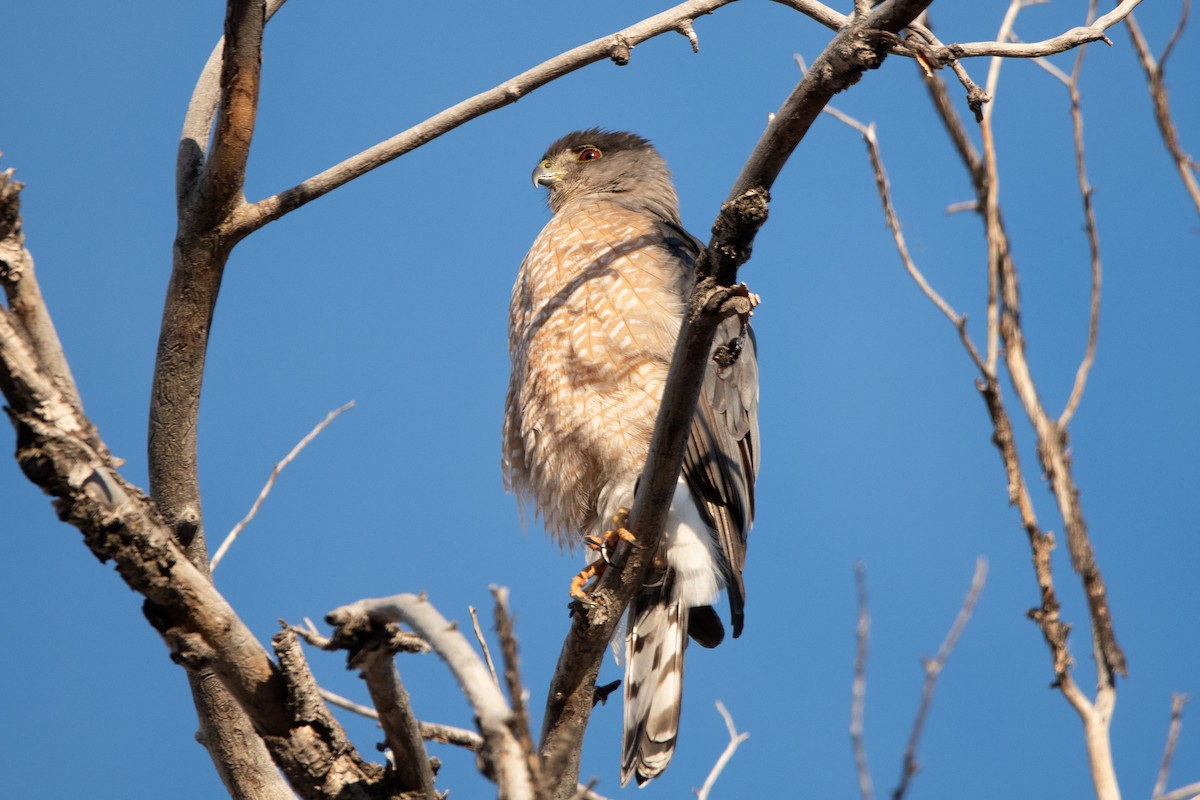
x,y
545,174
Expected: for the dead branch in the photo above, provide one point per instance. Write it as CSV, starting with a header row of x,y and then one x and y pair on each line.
x,y
28,310
208,189
883,187
1156,80
517,695
1068,40
402,732
615,46
1004,322
231,537
735,740
201,630
430,731
506,763
858,691
1164,769
933,669
483,645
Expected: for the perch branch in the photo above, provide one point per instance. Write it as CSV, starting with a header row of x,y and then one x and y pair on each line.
x,y
856,48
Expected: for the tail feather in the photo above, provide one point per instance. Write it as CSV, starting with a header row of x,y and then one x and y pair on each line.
x,y
655,643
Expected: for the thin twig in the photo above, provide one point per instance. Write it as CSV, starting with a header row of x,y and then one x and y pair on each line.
x,y
1175,34
430,731
735,739
487,653
278,468
335,699
517,695
1164,769
1162,107
858,692
584,792
1071,82
883,186
1089,217
1189,792
948,54
933,669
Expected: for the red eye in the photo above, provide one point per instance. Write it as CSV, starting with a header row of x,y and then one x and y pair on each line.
x,y
589,154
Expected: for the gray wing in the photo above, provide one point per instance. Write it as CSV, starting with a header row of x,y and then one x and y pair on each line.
x,y
720,463
721,459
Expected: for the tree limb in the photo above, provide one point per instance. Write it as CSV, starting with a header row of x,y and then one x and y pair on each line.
x,y
615,46
507,763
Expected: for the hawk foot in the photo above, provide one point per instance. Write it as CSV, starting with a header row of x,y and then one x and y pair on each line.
x,y
602,544
593,570
619,531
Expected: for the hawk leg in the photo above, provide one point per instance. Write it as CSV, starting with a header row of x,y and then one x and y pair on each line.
x,y
618,533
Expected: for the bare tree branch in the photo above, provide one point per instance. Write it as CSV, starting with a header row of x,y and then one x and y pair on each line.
x,y
615,46
735,740
224,171
501,750
1162,107
858,692
29,313
1004,304
483,645
1068,40
278,468
1089,220
517,695
199,627
883,187
198,122
402,732
430,731
933,669
1164,769
1189,792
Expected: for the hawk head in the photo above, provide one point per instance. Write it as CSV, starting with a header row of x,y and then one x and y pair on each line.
x,y
619,165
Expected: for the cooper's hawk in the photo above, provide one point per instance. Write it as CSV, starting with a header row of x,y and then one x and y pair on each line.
x,y
595,313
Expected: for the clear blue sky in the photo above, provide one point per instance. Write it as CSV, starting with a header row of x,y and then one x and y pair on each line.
x,y
393,292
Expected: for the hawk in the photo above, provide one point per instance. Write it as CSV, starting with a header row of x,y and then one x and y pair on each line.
x,y
595,312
